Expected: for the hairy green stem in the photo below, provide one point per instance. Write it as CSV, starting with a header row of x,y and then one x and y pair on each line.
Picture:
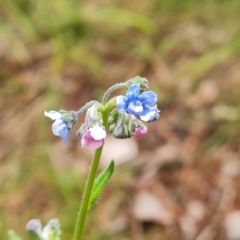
x,y
110,90
81,218
86,195
86,106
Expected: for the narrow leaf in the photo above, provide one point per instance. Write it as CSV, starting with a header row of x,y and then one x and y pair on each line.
x,y
13,236
101,182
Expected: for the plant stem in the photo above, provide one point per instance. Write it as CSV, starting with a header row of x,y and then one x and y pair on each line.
x,y
81,218
85,107
110,90
86,195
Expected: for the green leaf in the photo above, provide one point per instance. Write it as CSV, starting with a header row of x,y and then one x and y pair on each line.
x,y
13,236
101,182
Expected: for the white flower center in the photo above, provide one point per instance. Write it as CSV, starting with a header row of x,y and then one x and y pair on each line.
x,y
98,133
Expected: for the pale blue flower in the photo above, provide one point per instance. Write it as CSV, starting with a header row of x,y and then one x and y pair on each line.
x,y
139,104
61,126
51,231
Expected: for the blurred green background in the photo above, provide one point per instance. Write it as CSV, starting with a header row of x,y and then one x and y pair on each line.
x,y
182,181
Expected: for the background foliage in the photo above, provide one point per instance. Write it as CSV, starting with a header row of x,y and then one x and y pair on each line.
x,y
61,54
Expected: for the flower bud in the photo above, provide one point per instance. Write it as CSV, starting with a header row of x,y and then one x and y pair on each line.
x,y
136,127
135,123
70,117
119,128
121,131
139,132
112,127
114,116
143,82
93,118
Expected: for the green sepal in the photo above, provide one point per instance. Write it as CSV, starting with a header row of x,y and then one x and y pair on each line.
x,y
143,82
100,183
111,103
114,117
13,236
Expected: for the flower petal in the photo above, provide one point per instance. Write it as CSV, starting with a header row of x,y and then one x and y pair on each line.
x,y
88,141
85,138
60,129
97,133
58,126
133,92
151,116
148,98
135,108
94,144
147,109
121,104
54,115
65,136
139,132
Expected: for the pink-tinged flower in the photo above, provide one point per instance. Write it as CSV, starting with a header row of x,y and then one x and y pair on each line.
x,y
35,225
93,137
139,132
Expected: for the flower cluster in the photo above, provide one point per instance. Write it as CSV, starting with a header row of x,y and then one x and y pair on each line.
x,y
120,115
51,231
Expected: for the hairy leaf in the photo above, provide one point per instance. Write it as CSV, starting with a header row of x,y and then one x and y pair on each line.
x,y
101,182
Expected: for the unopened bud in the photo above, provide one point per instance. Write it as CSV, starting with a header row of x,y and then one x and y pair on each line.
x,y
143,82
121,131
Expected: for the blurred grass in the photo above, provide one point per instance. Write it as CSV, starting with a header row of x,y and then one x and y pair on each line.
x,y
44,44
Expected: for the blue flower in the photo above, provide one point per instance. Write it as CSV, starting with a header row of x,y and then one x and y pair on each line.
x,y
139,104
60,126
152,115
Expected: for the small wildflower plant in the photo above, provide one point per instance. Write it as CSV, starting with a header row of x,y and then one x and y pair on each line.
x,y
123,117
